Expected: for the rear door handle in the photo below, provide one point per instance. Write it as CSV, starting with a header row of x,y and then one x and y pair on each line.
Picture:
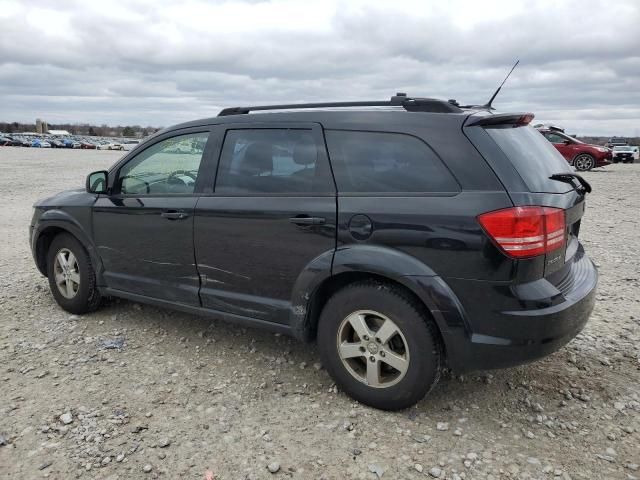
x,y
306,220
174,215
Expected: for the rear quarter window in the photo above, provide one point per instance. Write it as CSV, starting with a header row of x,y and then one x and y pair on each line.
x,y
375,162
532,156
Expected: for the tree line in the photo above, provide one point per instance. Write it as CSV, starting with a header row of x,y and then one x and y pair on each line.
x,y
83,129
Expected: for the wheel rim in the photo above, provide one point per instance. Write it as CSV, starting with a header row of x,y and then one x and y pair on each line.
x,y
584,162
373,349
67,273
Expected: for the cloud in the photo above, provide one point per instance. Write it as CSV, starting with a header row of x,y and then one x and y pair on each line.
x,y
161,62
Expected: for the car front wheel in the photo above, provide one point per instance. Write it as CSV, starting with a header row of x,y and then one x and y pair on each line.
x,y
379,345
584,162
71,276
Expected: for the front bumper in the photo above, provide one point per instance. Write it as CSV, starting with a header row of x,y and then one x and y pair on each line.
x,y
524,322
623,158
604,159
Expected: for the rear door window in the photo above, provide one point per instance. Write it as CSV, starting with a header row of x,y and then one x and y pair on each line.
x,y
375,162
533,157
272,161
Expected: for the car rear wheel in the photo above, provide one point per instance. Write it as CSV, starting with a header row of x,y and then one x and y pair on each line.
x,y
71,276
584,162
379,345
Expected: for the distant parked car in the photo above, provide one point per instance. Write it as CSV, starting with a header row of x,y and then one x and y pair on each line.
x,y
613,141
109,145
38,143
583,156
86,144
9,142
129,144
625,153
56,143
68,143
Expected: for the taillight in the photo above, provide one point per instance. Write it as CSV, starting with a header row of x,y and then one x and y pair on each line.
x,y
526,231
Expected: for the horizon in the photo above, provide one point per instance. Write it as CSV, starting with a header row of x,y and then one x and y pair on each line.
x,y
157,128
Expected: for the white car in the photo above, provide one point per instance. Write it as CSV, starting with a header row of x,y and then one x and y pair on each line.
x,y
624,153
129,144
110,146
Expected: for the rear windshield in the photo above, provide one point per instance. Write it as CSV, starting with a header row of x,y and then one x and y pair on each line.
x,y
533,156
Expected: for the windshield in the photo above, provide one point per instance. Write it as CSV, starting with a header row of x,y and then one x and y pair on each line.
x,y
533,157
558,137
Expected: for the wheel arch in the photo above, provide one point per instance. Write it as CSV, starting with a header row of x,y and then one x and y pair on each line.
x,y
389,266
53,223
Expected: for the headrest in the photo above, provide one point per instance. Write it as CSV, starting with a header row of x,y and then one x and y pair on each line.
x,y
305,151
258,159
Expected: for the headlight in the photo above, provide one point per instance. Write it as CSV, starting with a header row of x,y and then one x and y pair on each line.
x,y
602,149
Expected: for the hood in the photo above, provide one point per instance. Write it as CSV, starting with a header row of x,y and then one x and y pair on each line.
x,y
69,198
598,146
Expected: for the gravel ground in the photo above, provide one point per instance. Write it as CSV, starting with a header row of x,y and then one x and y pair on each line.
x,y
133,391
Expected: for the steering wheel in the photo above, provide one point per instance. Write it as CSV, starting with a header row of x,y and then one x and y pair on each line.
x,y
173,175
181,172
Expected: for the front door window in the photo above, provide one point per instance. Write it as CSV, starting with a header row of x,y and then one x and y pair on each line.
x,y
168,167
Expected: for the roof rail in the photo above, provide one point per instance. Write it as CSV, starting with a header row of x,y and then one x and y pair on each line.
x,y
400,100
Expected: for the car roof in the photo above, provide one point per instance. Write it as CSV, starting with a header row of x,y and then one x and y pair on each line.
x,y
375,111
372,114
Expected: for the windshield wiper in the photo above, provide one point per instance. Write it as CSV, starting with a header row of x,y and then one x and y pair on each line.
x,y
582,186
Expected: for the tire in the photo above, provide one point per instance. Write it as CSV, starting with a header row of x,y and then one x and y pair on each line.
x,y
584,162
416,342
78,295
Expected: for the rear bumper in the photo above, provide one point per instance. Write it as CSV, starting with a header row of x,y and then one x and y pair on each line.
x,y
511,325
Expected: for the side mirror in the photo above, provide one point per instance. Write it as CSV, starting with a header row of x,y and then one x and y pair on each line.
x,y
567,142
97,182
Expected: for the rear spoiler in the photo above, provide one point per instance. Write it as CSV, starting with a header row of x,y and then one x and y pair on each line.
x,y
501,119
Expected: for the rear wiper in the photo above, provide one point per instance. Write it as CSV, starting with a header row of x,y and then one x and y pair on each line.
x,y
582,186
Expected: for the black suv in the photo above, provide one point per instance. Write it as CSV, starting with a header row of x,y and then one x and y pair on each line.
x,y
403,236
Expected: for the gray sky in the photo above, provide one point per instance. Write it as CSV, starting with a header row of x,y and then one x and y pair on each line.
x,y
157,62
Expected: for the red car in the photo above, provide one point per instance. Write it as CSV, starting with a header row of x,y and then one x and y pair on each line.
x,y
88,145
583,156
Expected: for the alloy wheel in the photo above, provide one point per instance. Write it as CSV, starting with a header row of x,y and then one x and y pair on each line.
x,y
373,349
67,273
584,162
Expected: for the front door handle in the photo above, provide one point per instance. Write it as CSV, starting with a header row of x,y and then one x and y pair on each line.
x,y
307,220
174,215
